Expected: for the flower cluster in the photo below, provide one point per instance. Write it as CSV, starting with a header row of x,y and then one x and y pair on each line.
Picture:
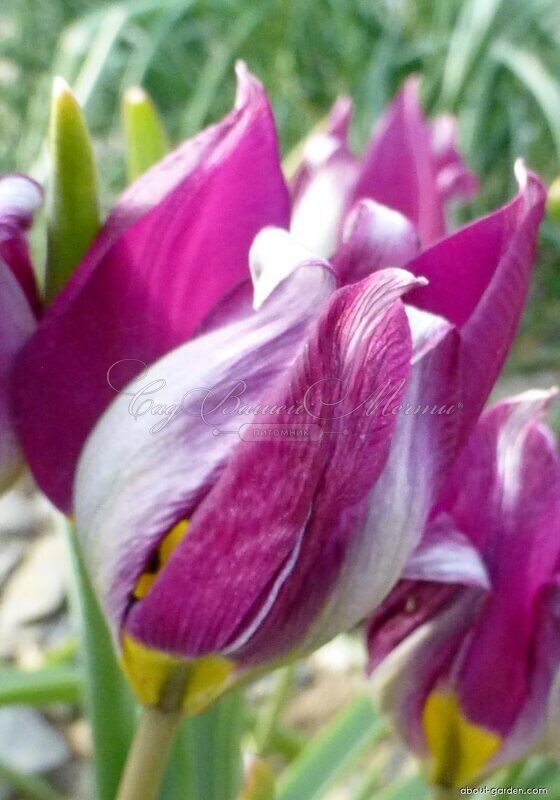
x,y
221,546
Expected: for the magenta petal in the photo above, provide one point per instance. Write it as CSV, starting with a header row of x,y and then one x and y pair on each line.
x,y
399,169
374,237
175,245
17,323
515,523
453,176
20,197
478,279
244,580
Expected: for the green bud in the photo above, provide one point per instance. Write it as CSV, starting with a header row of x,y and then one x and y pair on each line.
x,y
145,138
553,203
73,217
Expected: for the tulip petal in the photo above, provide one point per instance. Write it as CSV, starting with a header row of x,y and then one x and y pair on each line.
x,y
399,170
446,555
17,323
495,653
453,176
178,422
176,244
20,197
287,508
322,187
19,302
478,279
374,237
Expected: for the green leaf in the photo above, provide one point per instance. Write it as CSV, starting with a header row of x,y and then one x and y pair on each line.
x,y
109,701
267,722
469,35
57,684
330,753
30,787
73,206
406,789
145,138
537,80
206,763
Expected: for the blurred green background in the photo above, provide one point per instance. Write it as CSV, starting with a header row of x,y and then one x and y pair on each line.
x,y
495,63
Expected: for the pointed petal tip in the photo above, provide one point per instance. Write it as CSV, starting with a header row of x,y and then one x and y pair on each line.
x,y
536,401
529,181
246,83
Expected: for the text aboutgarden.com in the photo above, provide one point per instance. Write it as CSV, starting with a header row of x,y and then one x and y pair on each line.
x,y
503,791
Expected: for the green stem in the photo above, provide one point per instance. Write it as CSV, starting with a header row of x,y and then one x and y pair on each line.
x,y
109,702
148,755
268,720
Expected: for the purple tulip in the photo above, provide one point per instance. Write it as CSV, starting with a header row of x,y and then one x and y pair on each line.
x,y
244,431
411,165
19,199
468,642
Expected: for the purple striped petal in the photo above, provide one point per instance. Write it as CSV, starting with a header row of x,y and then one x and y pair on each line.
x,y
177,424
496,654
243,581
374,237
176,244
323,184
19,199
399,169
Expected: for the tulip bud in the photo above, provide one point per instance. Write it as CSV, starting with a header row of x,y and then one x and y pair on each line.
x,y
553,202
73,205
145,137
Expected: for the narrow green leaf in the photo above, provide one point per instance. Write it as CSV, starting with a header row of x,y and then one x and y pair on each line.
x,y
406,789
206,763
527,67
259,782
73,206
267,721
30,787
330,753
57,684
110,705
145,138
469,35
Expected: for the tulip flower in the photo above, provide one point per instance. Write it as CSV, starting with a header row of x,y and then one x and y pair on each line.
x,y
19,199
207,545
466,646
411,165
251,438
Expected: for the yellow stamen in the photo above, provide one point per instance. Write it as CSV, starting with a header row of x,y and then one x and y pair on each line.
x,y
164,552
459,749
151,672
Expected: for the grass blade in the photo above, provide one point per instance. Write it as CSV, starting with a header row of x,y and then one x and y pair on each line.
x,y
323,761
58,684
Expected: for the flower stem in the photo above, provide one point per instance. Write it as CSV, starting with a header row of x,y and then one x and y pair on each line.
x,y
148,755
